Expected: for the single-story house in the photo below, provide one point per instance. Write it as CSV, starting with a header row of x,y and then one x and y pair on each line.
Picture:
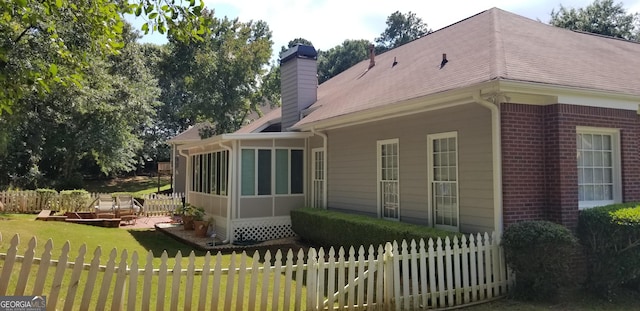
x,y
492,120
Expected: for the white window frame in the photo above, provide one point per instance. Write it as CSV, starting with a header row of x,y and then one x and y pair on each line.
x,y
430,180
273,172
207,174
616,165
318,196
379,181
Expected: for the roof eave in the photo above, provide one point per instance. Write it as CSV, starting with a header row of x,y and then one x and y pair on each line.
x,y
434,101
558,93
507,85
218,139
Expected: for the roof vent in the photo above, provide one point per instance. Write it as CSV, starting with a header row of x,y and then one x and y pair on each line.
x,y
444,60
394,62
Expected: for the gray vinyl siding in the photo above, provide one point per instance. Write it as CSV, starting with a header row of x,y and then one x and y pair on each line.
x,y
352,167
298,88
268,206
180,176
212,204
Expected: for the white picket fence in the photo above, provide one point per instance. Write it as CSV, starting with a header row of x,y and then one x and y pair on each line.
x,y
405,276
161,204
33,202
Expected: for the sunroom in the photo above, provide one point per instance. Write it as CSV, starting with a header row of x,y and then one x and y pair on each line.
x,y
248,183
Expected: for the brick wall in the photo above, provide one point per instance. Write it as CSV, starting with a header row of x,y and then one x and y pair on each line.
x,y
523,174
539,158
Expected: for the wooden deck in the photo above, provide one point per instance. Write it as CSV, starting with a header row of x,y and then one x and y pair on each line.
x,y
86,218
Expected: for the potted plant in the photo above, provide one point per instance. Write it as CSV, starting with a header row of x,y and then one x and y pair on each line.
x,y
189,214
201,225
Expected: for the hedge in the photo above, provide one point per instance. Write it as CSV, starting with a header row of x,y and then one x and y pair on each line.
x,y
75,199
539,252
330,228
610,236
47,198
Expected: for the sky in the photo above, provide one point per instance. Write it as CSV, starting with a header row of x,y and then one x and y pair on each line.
x,y
327,23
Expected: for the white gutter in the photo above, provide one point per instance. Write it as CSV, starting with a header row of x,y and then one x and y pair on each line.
x,y
230,190
188,181
173,167
496,147
324,164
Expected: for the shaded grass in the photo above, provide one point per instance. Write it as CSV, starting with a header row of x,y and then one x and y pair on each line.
x,y
575,299
137,185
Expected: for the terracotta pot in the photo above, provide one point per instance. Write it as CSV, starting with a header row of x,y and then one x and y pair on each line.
x,y
201,228
187,221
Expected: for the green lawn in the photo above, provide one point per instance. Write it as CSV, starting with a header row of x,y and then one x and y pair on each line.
x,y
140,241
138,185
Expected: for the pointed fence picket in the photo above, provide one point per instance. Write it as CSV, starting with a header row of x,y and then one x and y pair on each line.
x,y
30,201
156,204
401,276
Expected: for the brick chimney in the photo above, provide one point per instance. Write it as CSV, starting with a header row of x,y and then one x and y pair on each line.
x,y
298,82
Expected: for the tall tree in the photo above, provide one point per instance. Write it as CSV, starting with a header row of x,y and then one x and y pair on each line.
x,y
97,23
51,138
401,28
341,57
218,79
602,17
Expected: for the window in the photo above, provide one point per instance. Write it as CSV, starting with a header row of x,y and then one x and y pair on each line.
x,y
388,179
210,173
248,172
272,171
443,179
598,166
318,178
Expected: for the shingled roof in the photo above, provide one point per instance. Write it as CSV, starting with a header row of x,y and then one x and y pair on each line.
x,y
492,45
189,135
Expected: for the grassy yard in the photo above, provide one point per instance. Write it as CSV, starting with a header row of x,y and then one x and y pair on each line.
x,y
140,241
138,185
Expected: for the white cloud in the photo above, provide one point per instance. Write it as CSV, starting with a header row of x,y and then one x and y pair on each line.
x,y
328,23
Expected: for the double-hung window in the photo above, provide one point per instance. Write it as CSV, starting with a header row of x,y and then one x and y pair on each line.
x,y
443,180
598,159
388,179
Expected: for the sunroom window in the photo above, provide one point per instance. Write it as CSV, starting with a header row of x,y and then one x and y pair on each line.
x,y
277,171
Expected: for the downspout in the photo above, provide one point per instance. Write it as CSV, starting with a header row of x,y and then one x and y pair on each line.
x,y
188,181
173,166
324,163
230,190
496,148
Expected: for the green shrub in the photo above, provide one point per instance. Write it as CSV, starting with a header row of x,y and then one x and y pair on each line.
x,y
74,200
330,228
539,252
47,198
610,236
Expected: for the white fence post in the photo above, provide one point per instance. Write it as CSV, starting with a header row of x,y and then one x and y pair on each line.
x,y
441,274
